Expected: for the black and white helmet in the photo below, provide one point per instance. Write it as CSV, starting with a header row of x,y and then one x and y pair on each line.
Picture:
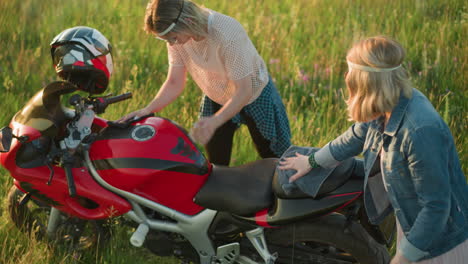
x,y
82,55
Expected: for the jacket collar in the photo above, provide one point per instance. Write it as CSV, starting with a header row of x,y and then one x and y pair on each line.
x,y
397,116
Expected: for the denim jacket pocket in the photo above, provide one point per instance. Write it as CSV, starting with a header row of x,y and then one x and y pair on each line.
x,y
398,175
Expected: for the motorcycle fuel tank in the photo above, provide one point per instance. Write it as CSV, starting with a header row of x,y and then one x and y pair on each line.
x,y
153,158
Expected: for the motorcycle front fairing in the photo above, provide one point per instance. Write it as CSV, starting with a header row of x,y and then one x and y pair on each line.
x,y
39,125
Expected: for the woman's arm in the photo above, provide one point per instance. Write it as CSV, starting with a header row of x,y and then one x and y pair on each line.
x,y
242,94
427,154
170,90
349,144
204,129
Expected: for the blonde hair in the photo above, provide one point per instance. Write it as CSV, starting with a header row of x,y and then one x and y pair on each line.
x,y
371,94
160,14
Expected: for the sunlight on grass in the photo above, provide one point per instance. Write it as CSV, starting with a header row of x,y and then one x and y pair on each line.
x,y
303,42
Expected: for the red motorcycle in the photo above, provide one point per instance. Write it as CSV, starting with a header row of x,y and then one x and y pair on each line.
x,y
73,171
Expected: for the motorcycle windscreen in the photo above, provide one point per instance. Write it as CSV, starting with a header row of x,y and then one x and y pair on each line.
x,y
44,111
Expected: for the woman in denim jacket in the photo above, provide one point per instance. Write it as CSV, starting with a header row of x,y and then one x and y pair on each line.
x,y
399,130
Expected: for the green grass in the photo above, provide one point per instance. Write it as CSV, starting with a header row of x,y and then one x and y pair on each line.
x,y
303,42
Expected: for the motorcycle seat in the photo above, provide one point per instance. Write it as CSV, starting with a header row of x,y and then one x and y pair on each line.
x,y
241,190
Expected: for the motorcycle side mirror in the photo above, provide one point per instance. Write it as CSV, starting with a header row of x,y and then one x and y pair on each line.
x,y
6,136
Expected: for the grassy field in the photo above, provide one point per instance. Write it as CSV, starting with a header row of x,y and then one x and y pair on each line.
x,y
303,42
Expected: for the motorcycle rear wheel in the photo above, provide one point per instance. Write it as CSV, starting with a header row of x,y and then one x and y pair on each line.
x,y
32,218
326,240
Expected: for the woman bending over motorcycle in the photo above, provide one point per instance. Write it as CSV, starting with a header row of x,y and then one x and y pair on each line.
x,y
221,59
399,131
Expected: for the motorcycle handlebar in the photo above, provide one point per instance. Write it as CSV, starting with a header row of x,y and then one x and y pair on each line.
x,y
118,98
100,104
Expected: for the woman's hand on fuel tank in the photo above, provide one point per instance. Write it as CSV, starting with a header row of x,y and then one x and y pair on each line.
x,y
135,114
299,163
204,129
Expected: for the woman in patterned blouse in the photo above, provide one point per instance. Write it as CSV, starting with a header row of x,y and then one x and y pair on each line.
x,y
222,60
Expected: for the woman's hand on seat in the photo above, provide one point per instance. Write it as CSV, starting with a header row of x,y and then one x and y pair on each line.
x,y
299,163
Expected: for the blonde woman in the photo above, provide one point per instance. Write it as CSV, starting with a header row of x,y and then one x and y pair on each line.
x,y
223,62
399,132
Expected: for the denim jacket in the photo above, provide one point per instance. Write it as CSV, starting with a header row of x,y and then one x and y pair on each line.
x,y
426,185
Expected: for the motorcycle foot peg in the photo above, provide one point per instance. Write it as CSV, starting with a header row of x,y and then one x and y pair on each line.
x,y
139,236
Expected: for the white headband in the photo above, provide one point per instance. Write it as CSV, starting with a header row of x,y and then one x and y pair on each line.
x,y
370,69
168,29
173,24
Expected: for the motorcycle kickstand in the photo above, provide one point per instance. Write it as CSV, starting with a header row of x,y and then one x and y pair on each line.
x,y
257,238
54,220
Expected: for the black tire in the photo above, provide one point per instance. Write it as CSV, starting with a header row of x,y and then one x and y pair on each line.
x,y
326,240
32,217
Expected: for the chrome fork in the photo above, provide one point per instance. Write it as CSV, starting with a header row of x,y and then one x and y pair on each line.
x,y
54,220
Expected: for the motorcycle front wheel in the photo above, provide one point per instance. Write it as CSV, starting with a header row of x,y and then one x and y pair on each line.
x,y
327,240
31,217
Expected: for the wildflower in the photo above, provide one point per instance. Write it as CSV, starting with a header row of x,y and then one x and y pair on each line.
x,y
327,71
303,76
274,61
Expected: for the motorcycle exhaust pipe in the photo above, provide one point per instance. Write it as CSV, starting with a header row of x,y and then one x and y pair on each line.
x,y
139,236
